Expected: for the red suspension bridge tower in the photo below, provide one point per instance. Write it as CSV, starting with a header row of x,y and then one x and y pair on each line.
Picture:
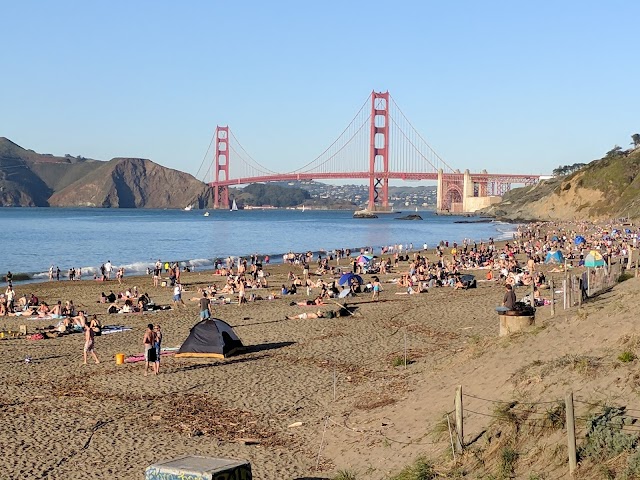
x,y
379,152
221,192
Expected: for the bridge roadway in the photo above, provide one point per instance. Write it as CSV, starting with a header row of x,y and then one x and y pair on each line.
x,y
289,177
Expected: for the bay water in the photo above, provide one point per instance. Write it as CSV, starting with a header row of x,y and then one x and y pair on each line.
x,y
32,239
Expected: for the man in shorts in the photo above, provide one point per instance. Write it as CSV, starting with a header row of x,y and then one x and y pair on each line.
x,y
149,341
177,294
205,307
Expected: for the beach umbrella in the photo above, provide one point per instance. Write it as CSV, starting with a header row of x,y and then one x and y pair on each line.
x,y
554,238
364,259
346,278
580,239
594,259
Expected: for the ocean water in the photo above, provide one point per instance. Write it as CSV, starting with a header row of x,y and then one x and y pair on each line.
x,y
32,239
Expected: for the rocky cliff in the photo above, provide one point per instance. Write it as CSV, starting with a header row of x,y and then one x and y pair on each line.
x,y
31,179
603,189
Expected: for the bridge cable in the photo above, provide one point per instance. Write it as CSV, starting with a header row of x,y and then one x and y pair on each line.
x,y
417,149
301,169
205,158
419,136
257,165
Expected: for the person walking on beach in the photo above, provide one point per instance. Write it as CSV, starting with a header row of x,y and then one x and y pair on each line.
x,y
149,341
177,294
108,268
89,344
376,289
10,293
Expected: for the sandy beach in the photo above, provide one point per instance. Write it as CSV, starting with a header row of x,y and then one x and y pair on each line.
x,y
341,380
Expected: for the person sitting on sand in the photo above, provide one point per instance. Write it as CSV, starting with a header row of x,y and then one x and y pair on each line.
x,y
306,315
56,311
127,307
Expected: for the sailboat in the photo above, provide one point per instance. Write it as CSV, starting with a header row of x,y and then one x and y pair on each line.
x,y
234,206
303,208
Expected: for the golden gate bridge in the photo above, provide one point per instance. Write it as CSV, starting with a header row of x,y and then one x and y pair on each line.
x,y
379,144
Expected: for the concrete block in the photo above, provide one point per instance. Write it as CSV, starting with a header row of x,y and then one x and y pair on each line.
x,y
199,468
512,324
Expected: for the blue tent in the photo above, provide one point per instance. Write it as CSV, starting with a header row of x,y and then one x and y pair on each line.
x,y
346,278
554,257
580,239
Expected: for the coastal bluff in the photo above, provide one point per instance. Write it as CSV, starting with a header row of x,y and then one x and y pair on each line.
x,y
30,179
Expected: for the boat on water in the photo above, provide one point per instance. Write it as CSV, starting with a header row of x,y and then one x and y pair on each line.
x,y
188,208
303,208
234,206
206,214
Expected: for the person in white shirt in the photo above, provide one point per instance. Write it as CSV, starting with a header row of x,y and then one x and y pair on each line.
x,y
177,294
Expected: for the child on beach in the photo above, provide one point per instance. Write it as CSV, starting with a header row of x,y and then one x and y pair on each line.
x,y
89,344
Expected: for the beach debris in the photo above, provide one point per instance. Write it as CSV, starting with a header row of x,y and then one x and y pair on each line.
x,y
295,424
27,359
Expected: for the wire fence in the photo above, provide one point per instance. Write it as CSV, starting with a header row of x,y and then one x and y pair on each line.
x,y
600,426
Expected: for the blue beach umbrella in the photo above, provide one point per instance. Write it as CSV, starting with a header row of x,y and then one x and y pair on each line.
x,y
580,239
345,278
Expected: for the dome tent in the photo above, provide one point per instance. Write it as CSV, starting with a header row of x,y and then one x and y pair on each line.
x,y
213,338
554,257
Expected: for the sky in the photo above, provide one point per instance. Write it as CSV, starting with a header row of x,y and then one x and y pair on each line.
x,y
506,86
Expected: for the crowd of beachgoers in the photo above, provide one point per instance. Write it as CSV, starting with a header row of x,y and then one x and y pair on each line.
x,y
246,279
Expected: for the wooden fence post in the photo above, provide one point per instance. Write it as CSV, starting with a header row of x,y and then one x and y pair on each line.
x,y
564,294
553,298
571,432
459,426
580,287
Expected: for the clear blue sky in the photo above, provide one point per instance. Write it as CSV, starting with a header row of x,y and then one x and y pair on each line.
x,y
513,87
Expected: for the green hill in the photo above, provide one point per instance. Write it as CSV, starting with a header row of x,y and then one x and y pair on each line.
x,y
603,189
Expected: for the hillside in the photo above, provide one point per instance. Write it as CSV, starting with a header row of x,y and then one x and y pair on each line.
x,y
605,188
134,183
30,179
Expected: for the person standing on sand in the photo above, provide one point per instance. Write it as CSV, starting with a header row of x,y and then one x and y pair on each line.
x,y
156,273
205,307
158,347
89,344
149,341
